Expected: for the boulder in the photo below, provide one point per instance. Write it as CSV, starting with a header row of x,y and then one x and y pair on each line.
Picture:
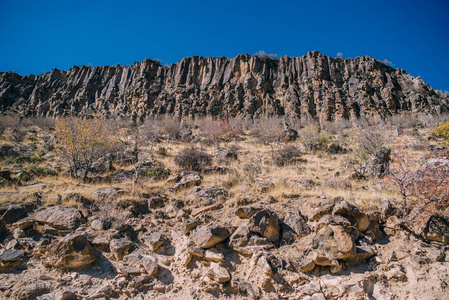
x,y
334,242
294,225
218,273
11,260
265,223
208,236
120,247
436,229
71,252
65,218
154,241
246,212
148,262
186,179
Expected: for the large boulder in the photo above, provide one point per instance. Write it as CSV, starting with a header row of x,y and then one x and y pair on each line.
x,y
15,212
11,259
265,223
71,252
65,218
334,242
208,236
294,225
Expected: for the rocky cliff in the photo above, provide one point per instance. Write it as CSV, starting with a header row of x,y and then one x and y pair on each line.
x,y
313,86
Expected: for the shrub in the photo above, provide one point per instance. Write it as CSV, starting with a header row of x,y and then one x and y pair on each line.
x,y
442,132
171,127
222,130
267,130
81,142
286,156
370,155
192,159
311,137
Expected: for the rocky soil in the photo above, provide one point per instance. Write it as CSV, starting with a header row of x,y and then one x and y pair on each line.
x,y
239,246
313,86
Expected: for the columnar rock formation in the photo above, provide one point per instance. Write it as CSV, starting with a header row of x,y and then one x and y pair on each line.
x,y
312,87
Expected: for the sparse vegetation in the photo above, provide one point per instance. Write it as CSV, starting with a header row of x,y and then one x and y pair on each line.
x,y
192,159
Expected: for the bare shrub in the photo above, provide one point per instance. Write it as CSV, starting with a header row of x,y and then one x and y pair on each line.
x,y
286,156
423,183
7,121
44,123
370,155
267,130
171,127
221,130
192,159
312,137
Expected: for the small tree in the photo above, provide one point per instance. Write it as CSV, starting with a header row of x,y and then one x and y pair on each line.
x,y
81,142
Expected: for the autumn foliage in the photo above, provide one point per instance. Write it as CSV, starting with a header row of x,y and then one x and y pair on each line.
x,y
81,142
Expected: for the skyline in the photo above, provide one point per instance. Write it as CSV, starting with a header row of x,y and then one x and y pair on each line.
x,y
41,35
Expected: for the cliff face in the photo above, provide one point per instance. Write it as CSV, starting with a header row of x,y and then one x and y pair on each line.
x,y
312,86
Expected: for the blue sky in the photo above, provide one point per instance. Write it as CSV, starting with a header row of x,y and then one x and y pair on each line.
x,y
40,35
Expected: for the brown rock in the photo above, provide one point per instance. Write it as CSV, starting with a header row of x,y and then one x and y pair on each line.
x,y
66,218
71,252
208,236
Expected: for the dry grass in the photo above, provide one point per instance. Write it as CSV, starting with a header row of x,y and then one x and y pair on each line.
x,y
319,175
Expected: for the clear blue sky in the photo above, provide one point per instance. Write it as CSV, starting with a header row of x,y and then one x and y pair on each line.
x,y
40,35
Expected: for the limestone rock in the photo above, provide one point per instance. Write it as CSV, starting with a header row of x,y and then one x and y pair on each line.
x,y
65,218
71,252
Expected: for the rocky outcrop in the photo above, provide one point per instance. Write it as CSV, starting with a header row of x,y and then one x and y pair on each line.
x,y
311,86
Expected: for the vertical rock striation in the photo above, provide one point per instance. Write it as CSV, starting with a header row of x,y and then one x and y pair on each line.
x,y
313,86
